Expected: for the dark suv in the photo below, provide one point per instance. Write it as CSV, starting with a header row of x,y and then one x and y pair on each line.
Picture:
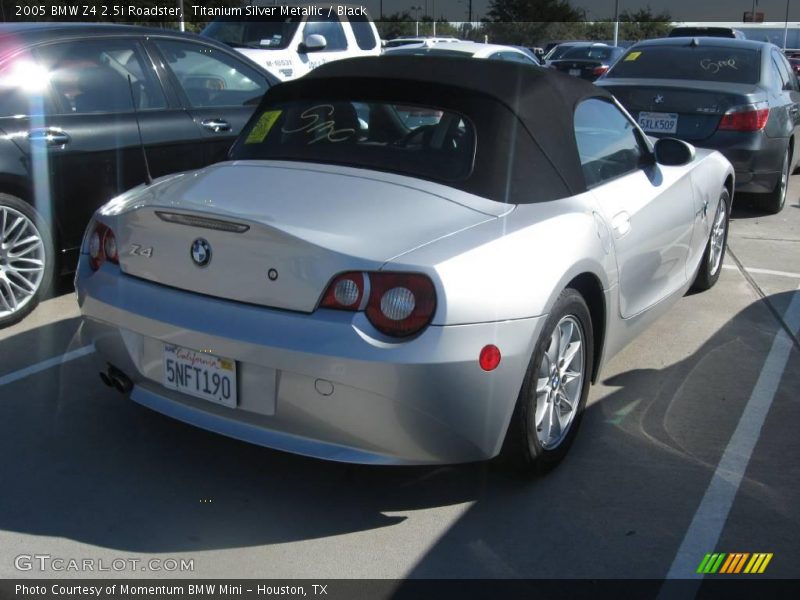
x,y
72,100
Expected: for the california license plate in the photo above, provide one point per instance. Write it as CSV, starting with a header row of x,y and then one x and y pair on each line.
x,y
656,122
200,374
575,72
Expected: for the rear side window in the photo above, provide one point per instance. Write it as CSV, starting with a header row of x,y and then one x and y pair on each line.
x,y
210,77
591,53
608,144
362,29
92,76
696,63
24,88
414,140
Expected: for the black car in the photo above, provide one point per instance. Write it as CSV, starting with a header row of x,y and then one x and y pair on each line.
x,y
587,62
70,136
736,96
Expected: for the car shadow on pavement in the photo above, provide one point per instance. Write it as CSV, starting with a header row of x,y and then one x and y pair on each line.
x,y
83,463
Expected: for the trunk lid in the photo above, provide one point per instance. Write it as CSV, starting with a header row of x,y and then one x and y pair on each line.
x,y
278,232
578,67
699,106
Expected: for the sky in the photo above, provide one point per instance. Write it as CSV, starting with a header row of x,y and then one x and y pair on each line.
x,y
681,10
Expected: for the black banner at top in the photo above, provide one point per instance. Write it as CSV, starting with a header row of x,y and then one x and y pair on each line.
x,y
454,11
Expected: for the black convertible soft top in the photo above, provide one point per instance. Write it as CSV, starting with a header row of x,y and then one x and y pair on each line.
x,y
523,115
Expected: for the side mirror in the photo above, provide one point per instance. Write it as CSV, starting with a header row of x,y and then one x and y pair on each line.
x,y
313,43
673,153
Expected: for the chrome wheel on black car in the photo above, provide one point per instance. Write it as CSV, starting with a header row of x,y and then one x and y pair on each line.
x,y
25,252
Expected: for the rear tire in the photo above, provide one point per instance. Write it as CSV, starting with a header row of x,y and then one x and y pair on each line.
x,y
26,259
550,404
711,263
774,202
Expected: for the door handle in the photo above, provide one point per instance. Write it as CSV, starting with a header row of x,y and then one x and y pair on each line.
x,y
52,136
216,125
621,223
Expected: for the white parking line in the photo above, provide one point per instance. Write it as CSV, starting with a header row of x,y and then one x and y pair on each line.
x,y
709,520
764,271
45,364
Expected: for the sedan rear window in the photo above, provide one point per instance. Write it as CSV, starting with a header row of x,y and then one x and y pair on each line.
x,y
696,63
419,141
592,53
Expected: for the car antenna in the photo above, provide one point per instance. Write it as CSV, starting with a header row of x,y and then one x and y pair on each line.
x,y
148,178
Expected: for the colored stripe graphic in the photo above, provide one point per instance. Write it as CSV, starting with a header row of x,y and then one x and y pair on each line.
x,y
734,562
701,568
741,562
716,565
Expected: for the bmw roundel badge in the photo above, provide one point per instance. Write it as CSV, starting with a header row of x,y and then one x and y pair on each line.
x,y
201,252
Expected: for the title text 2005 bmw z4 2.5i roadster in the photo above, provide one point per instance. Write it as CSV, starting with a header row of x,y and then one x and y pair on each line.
x,y
407,260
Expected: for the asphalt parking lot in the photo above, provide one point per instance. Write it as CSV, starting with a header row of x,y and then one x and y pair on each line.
x,y
689,446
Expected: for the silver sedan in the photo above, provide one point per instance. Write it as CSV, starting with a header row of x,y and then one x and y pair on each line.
x,y
406,260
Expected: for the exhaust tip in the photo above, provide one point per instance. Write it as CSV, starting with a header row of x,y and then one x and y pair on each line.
x,y
116,379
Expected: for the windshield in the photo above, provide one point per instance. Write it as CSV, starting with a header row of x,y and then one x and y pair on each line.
x,y
604,53
276,33
415,140
696,63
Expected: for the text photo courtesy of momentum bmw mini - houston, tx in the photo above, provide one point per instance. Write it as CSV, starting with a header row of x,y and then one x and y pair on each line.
x,y
467,298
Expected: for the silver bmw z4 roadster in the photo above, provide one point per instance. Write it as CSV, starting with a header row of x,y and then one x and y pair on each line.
x,y
406,260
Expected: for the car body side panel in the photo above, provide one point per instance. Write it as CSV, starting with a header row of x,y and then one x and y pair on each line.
x,y
649,213
515,267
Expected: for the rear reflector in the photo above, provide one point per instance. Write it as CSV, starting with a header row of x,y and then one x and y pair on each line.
x,y
489,357
754,119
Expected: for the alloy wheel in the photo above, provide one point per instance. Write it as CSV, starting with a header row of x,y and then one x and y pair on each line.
x,y
718,237
559,382
22,260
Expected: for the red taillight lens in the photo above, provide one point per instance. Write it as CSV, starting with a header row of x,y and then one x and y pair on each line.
x,y
102,247
398,304
600,70
745,120
345,292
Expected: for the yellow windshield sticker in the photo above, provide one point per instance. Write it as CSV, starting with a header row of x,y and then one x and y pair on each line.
x,y
262,127
633,56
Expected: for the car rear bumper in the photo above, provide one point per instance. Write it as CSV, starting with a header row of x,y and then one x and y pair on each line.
x,y
319,385
756,158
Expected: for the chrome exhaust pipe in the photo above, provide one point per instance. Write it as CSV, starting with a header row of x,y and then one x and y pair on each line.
x,y
106,379
117,379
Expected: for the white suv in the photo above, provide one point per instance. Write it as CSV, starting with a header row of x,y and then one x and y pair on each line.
x,y
290,45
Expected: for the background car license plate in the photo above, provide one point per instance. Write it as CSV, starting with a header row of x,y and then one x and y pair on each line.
x,y
200,374
656,122
575,72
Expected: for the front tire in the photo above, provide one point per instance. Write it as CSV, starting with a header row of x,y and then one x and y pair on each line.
x,y
550,404
26,259
711,263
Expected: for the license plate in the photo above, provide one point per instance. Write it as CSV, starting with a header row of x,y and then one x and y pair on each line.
x,y
200,374
575,72
656,122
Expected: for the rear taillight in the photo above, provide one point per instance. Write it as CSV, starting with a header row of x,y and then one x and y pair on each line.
x,y
601,70
102,246
750,118
397,304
